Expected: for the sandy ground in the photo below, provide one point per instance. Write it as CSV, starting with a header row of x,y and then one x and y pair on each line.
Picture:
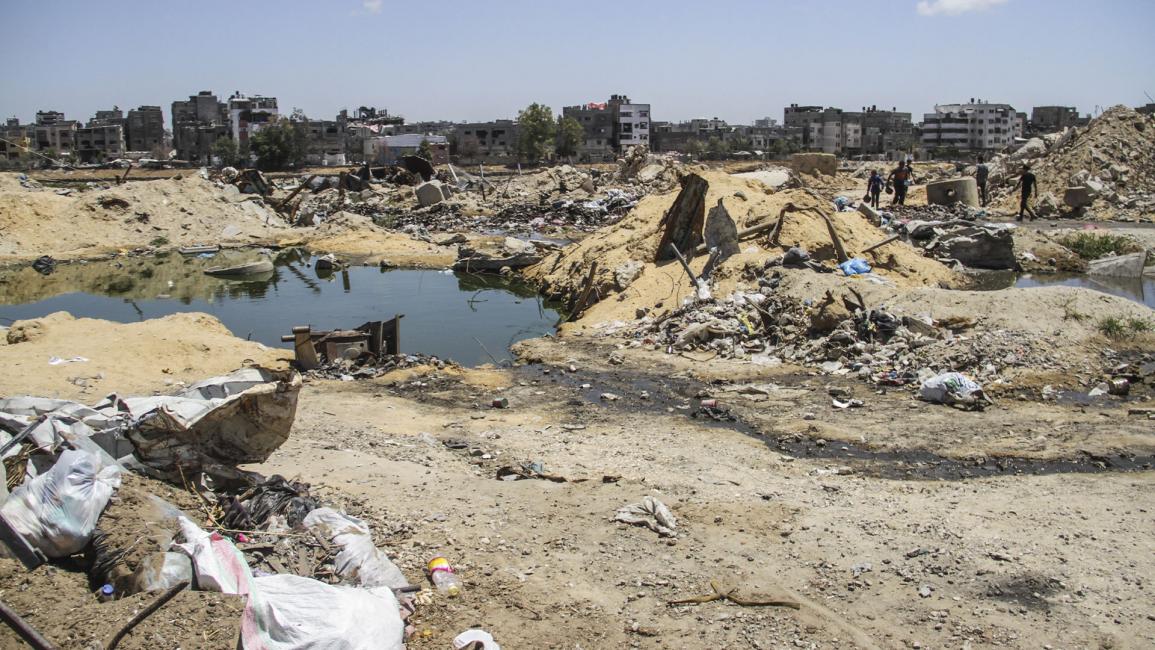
x,y
163,355
880,550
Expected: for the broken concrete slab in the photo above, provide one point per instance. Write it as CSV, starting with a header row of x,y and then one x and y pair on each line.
x,y
1119,266
814,163
430,193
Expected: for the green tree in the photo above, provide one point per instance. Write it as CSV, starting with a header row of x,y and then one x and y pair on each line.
x,y
717,148
425,150
280,145
226,151
740,143
537,132
695,147
569,136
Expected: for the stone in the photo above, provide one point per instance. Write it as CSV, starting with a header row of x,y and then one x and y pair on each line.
x,y
515,246
627,273
1077,197
429,193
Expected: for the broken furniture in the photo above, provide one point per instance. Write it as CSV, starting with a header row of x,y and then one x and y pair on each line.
x,y
377,338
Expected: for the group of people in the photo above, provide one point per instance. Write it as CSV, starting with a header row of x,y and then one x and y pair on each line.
x,y
901,177
898,181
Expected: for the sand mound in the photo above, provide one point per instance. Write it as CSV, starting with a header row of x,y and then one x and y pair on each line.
x,y
628,249
132,358
38,221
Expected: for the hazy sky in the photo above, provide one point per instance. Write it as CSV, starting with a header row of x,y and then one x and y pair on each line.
x,y
474,60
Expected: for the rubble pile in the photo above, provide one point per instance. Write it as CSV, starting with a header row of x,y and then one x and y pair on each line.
x,y
840,336
1112,159
368,366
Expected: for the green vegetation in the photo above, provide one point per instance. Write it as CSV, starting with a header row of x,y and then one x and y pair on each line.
x,y
538,129
159,241
225,150
1124,328
1092,246
569,136
425,150
280,145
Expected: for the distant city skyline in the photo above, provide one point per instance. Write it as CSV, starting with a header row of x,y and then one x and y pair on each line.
x,y
738,61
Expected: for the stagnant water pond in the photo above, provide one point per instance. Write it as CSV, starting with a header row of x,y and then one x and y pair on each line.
x,y
1140,290
472,319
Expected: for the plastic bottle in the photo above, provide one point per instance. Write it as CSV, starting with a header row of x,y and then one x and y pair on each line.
x,y
443,577
106,593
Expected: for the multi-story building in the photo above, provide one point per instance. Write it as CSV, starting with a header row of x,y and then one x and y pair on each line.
x,y
852,133
611,127
99,142
973,127
144,129
197,124
497,139
248,115
327,140
54,134
1049,119
16,140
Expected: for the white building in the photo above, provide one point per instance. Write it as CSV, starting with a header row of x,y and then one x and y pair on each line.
x,y
977,126
247,115
632,122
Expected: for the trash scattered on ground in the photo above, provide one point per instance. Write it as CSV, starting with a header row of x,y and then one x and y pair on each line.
x,y
651,513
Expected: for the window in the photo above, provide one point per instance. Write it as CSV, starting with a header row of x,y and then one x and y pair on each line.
x,y
643,113
643,125
627,114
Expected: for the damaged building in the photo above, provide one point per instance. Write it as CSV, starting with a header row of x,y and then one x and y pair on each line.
x,y
197,124
975,127
610,127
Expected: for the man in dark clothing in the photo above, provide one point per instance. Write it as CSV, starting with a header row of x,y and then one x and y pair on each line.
x,y
874,187
1030,186
982,173
899,178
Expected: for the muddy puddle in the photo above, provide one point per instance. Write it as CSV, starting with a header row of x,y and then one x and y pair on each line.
x,y
471,319
639,392
1140,290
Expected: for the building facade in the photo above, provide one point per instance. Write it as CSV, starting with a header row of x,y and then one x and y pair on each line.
x,y
144,129
197,124
977,127
497,139
611,127
248,115
387,149
1050,119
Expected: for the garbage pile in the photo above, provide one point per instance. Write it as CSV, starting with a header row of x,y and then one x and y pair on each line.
x,y
310,574
841,336
1105,169
368,366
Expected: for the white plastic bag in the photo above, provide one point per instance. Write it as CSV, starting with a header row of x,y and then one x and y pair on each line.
x,y
469,637
288,612
57,511
949,388
359,560
217,563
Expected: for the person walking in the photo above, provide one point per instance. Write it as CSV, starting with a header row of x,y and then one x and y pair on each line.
x,y
982,173
874,187
1030,186
899,178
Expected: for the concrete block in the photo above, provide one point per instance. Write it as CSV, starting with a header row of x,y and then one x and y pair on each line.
x,y
812,163
429,193
1077,197
954,190
870,212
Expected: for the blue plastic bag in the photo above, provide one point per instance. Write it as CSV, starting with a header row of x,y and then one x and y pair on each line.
x,y
855,266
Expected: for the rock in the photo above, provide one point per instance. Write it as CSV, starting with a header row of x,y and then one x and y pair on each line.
x,y
925,591
1077,197
1119,266
1034,148
430,193
626,273
450,239
515,246
979,247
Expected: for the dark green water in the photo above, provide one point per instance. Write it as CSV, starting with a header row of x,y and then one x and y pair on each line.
x,y
454,316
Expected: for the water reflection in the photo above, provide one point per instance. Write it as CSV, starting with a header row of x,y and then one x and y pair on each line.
x,y
455,316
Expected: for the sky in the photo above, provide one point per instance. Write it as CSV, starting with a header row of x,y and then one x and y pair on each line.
x,y
473,60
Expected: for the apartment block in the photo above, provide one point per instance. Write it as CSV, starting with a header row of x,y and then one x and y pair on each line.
x,y
248,115
16,140
98,142
977,126
497,139
197,124
53,133
611,127
1050,119
144,129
